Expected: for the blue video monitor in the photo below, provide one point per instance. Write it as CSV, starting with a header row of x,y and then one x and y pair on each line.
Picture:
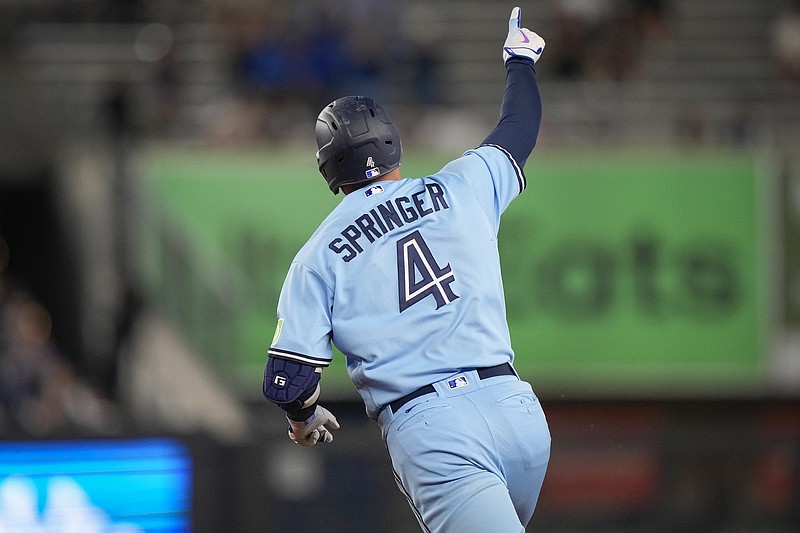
x,y
95,486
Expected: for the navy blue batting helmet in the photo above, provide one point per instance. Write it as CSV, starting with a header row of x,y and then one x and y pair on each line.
x,y
356,142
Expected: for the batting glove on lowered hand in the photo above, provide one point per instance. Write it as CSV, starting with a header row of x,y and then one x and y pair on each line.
x,y
521,42
313,429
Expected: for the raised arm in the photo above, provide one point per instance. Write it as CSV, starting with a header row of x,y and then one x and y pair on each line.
x,y
521,109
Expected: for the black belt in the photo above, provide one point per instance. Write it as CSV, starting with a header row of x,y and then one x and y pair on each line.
x,y
483,373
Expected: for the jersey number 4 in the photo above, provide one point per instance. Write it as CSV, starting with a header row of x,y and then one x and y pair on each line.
x,y
419,275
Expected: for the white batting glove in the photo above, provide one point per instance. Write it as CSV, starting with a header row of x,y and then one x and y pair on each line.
x,y
315,428
521,42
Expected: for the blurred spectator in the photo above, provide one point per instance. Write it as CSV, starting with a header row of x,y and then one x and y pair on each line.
x,y
785,42
291,60
617,50
691,126
265,61
278,71
422,47
577,24
118,109
258,66
40,393
168,86
373,52
743,127
603,39
651,17
332,66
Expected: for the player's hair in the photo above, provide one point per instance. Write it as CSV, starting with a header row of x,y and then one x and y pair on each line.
x,y
357,142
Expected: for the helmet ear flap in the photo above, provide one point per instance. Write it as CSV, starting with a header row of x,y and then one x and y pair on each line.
x,y
357,142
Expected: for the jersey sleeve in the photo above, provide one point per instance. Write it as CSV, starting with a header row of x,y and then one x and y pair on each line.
x,y
520,112
303,333
493,175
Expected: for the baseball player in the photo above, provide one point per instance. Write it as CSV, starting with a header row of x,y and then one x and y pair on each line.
x,y
404,278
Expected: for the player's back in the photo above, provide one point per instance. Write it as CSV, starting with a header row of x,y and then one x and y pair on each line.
x,y
415,275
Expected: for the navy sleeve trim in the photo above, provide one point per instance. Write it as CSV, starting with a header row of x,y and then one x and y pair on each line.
x,y
521,179
299,357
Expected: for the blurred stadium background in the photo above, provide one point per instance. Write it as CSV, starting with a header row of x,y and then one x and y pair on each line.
x,y
157,176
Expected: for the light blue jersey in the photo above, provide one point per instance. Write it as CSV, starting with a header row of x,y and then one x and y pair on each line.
x,y
404,278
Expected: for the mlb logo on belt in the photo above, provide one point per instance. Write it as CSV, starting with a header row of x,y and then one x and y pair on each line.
x,y
457,382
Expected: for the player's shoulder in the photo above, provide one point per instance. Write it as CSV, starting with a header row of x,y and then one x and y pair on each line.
x,y
504,170
498,155
481,157
480,162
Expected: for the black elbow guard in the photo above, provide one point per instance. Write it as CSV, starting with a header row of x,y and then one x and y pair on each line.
x,y
289,383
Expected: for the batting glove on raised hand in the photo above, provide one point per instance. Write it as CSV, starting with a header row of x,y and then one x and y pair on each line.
x,y
521,42
313,429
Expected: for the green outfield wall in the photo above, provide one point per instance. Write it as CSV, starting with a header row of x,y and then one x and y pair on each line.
x,y
626,274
